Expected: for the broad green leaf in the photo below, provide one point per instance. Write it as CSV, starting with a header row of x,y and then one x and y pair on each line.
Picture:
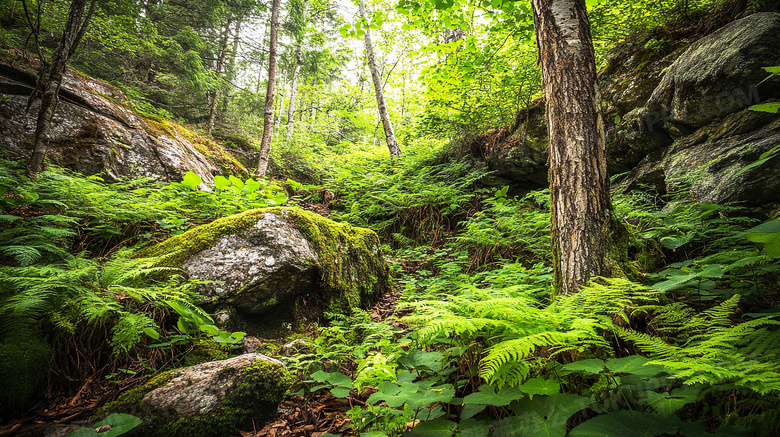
x,y
417,359
320,376
767,107
120,423
209,329
251,186
191,180
543,416
634,364
221,182
487,396
434,428
540,386
368,434
473,428
385,389
439,393
767,233
591,366
237,183
773,69
151,332
471,410
626,424
339,379
668,403
340,392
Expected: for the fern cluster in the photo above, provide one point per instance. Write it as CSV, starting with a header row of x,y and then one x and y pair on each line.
x,y
712,347
408,200
82,292
508,228
518,331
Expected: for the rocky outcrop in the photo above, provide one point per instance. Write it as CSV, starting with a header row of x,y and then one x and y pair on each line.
x,y
701,102
719,74
276,266
677,116
209,399
95,130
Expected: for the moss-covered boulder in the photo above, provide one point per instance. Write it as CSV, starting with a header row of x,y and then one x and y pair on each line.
x,y
278,266
209,400
24,364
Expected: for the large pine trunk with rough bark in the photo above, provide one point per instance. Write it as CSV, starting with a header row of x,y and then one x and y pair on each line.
x,y
71,35
579,183
392,144
268,113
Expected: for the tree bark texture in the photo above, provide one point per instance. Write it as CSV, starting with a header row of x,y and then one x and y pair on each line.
x,y
268,113
71,36
392,144
579,183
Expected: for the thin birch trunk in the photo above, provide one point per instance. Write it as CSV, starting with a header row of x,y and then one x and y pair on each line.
x,y
392,144
268,114
220,65
293,92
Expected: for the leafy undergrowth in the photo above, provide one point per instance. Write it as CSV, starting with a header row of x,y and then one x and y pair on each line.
x,y
480,346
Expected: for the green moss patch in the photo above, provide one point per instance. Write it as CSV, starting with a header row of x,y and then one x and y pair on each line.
x,y
177,249
262,386
353,270
24,364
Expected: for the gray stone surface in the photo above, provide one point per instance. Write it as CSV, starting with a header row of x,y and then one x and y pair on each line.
x,y
201,389
258,268
96,131
719,74
712,159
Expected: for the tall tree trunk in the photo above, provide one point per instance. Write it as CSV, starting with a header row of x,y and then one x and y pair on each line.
x,y
223,48
279,117
293,92
392,144
268,114
579,183
71,36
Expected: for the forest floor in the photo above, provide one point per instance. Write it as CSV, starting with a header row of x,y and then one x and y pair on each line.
x,y
323,413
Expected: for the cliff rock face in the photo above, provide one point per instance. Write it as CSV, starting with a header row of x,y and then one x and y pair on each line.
x,y
677,115
702,103
95,130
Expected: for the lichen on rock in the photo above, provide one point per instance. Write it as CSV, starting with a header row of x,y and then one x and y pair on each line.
x,y
209,399
279,262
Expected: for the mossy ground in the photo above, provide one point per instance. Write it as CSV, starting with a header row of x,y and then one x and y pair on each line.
x,y
24,363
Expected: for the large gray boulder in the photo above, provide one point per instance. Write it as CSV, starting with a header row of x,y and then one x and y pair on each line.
x,y
95,130
713,163
719,74
279,266
209,399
